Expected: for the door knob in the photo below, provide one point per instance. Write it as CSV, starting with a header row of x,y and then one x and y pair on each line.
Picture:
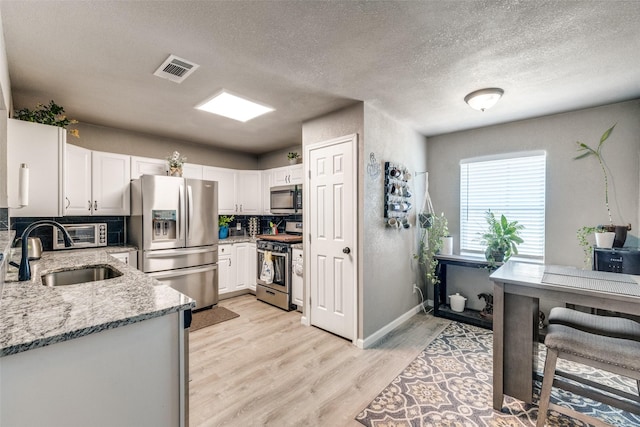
x,y
346,250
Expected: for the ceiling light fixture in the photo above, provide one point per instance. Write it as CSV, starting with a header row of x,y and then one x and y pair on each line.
x,y
234,107
484,98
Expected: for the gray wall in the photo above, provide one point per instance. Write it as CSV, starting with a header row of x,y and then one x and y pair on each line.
x,y
390,269
386,268
575,189
121,141
343,122
278,158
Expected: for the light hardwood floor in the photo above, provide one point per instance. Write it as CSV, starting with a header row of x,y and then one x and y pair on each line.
x,y
266,369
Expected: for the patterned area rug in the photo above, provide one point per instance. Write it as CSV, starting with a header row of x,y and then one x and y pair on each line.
x,y
450,384
204,318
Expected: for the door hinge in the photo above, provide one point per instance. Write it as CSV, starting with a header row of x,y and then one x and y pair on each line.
x,y
309,173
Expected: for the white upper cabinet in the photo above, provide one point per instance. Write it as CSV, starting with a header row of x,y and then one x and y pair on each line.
x,y
226,188
41,148
77,181
191,171
110,183
239,192
266,191
249,192
289,175
96,183
147,166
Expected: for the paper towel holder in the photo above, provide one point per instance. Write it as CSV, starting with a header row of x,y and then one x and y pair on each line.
x,y
23,187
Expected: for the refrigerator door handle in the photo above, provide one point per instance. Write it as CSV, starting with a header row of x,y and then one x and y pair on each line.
x,y
189,210
170,253
182,271
181,220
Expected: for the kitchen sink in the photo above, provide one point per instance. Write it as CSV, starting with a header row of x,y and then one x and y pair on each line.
x,y
82,275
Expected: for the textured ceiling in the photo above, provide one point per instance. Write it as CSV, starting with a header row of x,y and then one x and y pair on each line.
x,y
413,60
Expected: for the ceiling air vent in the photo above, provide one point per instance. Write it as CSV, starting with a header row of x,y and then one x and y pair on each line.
x,y
175,69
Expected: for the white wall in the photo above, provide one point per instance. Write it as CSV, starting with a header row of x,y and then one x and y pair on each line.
x,y
575,189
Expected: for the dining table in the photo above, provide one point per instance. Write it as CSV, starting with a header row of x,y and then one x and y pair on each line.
x,y
518,288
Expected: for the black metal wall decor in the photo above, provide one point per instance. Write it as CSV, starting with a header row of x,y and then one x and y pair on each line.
x,y
397,195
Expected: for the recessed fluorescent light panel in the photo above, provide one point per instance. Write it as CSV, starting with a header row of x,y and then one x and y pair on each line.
x,y
234,107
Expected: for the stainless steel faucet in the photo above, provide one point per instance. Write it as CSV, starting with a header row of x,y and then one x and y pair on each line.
x,y
24,269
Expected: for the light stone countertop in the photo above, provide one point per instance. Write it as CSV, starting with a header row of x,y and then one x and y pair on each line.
x,y
6,238
237,239
33,315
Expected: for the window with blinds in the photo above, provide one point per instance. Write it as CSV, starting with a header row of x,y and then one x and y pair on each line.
x,y
513,185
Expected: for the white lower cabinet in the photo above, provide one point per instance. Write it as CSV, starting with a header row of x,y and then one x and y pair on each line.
x,y
246,257
237,269
226,268
128,257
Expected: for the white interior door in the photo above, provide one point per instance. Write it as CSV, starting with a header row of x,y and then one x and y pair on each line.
x,y
331,215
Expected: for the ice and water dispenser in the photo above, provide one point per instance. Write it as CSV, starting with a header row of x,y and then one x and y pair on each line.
x,y
165,226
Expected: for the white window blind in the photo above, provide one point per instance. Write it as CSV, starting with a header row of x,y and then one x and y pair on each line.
x,y
513,185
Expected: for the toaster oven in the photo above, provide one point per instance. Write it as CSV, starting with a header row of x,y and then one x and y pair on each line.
x,y
83,235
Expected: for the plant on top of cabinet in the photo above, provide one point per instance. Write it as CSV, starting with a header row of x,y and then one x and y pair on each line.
x,y
586,151
293,157
176,161
51,114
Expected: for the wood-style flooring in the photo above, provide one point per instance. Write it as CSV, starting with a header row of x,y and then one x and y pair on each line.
x,y
264,368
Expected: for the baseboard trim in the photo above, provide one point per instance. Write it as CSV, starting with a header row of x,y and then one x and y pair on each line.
x,y
372,339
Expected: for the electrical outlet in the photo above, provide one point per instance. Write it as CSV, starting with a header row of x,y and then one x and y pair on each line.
x,y
415,287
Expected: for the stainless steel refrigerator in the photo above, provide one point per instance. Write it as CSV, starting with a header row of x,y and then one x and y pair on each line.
x,y
174,224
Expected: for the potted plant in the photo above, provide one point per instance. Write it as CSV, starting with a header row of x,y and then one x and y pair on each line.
x,y
223,225
176,161
51,114
293,157
501,238
430,246
620,230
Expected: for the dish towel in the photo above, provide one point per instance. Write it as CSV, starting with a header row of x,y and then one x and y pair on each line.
x,y
266,272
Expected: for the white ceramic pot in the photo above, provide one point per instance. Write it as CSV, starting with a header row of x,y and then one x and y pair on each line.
x,y
605,239
457,302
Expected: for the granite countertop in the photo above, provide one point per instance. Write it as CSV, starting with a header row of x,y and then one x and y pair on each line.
x,y
33,315
6,238
237,239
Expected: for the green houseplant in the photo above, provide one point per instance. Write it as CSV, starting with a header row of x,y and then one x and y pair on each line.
x,y
223,225
293,157
430,245
501,238
51,114
586,151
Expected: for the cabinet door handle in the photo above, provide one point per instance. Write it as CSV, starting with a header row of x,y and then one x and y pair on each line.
x,y
89,205
241,208
236,208
229,262
68,203
95,205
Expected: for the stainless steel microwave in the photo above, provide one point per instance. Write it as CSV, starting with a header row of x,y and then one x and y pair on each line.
x,y
82,235
286,199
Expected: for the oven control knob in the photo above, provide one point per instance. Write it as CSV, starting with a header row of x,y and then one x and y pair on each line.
x,y
346,250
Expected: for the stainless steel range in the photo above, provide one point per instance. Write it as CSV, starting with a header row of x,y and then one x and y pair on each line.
x,y
278,246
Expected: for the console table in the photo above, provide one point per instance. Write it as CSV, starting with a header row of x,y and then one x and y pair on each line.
x,y
440,306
